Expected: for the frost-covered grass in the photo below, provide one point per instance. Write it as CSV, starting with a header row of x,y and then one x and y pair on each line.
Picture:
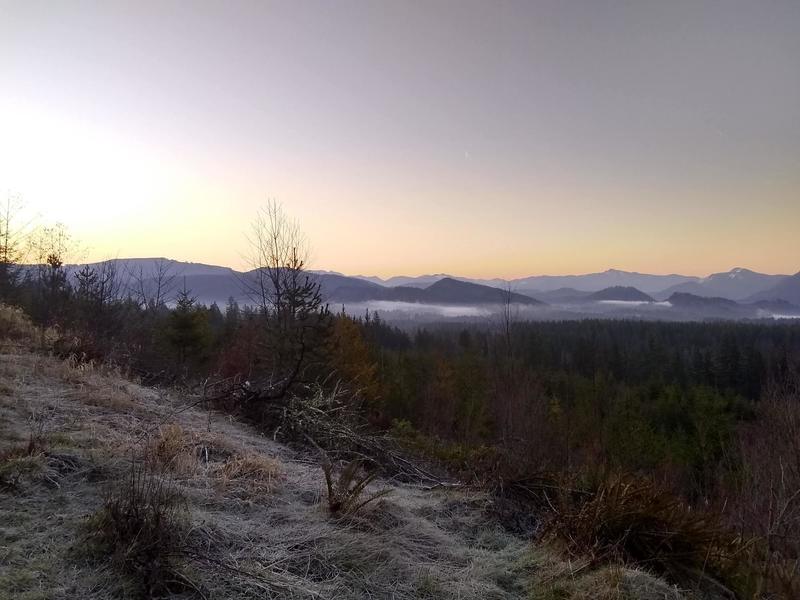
x,y
258,523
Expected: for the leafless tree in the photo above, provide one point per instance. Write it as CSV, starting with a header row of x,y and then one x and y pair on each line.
x,y
509,316
152,288
98,292
289,299
509,389
100,284
51,248
278,256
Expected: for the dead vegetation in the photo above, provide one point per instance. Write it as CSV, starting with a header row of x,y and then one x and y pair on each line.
x,y
624,520
255,474
15,326
346,493
224,512
141,529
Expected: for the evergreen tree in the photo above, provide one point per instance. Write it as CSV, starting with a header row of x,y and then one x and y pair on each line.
x,y
188,330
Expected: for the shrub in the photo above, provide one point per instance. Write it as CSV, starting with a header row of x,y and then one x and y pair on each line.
x,y
171,449
15,325
141,528
345,493
630,520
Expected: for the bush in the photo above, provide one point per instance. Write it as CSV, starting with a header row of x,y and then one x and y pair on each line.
x,y
141,528
629,520
16,326
345,493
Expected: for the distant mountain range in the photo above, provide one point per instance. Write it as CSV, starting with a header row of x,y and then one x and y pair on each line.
x,y
787,289
591,282
719,292
737,284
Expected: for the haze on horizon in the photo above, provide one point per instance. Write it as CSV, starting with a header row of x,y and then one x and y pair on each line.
x,y
484,139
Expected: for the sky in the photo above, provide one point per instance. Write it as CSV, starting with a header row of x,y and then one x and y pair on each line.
x,y
483,139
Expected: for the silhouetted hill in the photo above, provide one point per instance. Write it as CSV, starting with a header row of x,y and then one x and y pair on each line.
x,y
444,291
593,282
420,281
453,291
682,300
355,294
787,289
777,307
736,284
538,284
621,294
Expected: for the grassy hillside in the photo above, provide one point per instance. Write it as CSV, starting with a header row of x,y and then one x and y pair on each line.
x,y
250,517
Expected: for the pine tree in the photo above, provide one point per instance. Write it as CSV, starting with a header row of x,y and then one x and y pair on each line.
x,y
188,331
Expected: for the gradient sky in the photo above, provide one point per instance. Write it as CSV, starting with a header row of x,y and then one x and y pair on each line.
x,y
476,138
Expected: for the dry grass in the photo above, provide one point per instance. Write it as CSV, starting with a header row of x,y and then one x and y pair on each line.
x,y
574,581
15,326
255,474
630,521
256,524
17,466
141,528
172,449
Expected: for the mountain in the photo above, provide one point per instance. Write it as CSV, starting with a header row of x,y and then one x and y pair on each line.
x,y
590,282
736,284
421,281
210,283
594,282
333,286
620,294
444,291
358,294
788,289
454,291
779,307
684,300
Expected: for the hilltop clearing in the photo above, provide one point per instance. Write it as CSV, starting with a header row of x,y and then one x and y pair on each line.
x,y
254,515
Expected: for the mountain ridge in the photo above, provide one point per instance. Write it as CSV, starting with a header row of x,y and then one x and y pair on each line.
x,y
214,283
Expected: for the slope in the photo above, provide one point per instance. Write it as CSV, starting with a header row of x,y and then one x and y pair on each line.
x,y
258,526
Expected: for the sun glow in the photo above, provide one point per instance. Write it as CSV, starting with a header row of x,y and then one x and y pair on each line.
x,y
76,173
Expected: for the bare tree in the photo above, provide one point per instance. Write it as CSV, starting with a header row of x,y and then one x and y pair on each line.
x,y
278,255
295,318
99,284
98,291
151,288
509,316
51,247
